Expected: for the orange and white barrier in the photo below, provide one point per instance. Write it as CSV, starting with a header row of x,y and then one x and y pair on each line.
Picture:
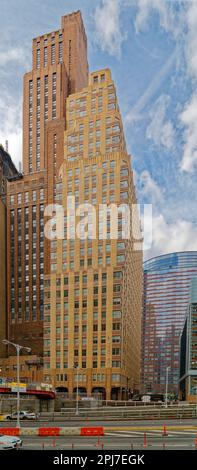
x,y
54,431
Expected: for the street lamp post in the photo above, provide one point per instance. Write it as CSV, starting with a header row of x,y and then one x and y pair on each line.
x,y
166,400
18,348
77,395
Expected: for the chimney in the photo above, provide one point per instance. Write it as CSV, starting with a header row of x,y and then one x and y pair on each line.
x,y
6,146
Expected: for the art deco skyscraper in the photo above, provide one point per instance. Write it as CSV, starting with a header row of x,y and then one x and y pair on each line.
x,y
93,294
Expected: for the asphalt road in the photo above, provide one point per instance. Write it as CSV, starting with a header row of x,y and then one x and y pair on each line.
x,y
93,422
126,441
120,435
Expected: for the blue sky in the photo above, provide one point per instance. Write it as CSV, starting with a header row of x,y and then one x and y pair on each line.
x,y
151,48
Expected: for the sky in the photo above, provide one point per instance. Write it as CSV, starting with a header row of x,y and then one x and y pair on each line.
x,y
151,48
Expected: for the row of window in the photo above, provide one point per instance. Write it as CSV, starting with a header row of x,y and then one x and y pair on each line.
x,y
49,55
65,280
101,249
119,258
97,145
93,168
116,314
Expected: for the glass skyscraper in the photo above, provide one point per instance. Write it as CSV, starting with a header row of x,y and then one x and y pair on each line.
x,y
167,281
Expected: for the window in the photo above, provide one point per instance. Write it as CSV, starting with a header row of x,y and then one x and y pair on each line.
x,y
45,56
115,339
115,377
116,314
116,326
118,275
95,79
52,54
124,172
120,258
38,58
26,197
111,106
19,198
60,52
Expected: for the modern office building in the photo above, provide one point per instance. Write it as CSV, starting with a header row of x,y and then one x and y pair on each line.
x,y
75,301
188,349
166,295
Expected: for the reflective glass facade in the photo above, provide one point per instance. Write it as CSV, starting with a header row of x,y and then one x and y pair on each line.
x,y
166,296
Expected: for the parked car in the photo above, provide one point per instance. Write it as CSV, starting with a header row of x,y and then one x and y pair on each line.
x,y
9,442
22,415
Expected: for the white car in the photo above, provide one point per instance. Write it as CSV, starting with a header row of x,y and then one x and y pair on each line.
x,y
9,442
22,415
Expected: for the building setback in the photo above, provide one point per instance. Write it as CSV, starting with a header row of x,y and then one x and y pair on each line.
x,y
166,294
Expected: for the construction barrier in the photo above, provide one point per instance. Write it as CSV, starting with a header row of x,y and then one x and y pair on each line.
x,y
10,431
49,431
98,431
30,431
70,431
54,431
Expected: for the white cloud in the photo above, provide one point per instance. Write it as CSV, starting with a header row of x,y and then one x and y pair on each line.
x,y
109,31
191,40
170,20
182,26
135,113
11,126
189,118
13,55
160,130
180,235
10,107
148,188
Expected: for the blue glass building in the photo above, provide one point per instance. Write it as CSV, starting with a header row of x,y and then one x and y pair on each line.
x,y
167,281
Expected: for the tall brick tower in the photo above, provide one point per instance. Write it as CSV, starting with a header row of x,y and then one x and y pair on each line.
x,y
59,67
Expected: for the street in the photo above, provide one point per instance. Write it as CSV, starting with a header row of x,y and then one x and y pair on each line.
x,y
122,435
75,421
114,441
